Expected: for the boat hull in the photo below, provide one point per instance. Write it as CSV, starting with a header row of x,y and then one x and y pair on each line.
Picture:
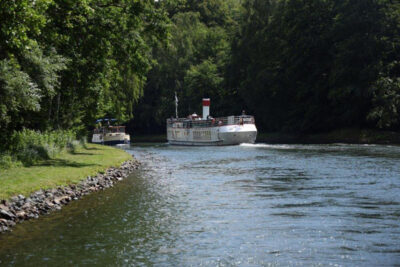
x,y
192,143
238,134
116,142
213,136
111,139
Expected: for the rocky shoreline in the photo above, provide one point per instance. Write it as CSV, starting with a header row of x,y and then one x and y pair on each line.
x,y
20,208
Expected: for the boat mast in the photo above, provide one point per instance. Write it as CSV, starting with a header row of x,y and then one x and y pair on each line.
x,y
176,106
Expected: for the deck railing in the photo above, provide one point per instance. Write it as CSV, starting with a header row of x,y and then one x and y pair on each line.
x,y
211,122
110,129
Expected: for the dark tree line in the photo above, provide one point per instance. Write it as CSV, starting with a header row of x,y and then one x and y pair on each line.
x,y
298,66
319,65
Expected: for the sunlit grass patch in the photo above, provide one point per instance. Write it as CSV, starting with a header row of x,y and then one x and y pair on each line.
x,y
66,168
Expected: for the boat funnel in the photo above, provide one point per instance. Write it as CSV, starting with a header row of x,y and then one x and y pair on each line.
x,y
206,108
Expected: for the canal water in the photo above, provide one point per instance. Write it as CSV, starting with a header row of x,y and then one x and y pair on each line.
x,y
247,205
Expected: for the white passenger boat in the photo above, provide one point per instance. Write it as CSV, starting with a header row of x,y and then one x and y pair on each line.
x,y
110,134
207,131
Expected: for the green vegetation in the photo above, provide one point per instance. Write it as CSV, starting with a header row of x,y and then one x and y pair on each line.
x,y
30,146
27,147
65,63
298,66
311,66
66,168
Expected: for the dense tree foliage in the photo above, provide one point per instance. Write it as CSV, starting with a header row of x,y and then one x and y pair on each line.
x,y
193,64
65,63
318,65
298,66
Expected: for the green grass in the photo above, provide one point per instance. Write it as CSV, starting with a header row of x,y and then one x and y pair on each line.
x,y
67,168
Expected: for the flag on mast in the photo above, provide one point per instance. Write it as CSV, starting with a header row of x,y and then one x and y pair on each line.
x,y
176,106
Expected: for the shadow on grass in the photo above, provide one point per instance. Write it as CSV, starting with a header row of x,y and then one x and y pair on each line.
x,y
91,148
64,163
81,153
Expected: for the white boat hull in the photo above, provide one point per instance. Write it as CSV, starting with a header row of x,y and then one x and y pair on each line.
x,y
111,138
213,136
238,134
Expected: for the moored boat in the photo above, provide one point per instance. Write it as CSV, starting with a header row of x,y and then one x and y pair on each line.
x,y
206,130
110,134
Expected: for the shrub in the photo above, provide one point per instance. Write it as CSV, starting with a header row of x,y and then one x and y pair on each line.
x,y
83,142
30,155
72,146
30,146
7,161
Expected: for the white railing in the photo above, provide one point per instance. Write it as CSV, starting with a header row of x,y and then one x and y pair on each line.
x,y
109,129
211,122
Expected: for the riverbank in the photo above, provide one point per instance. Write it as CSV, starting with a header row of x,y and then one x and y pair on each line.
x,y
50,184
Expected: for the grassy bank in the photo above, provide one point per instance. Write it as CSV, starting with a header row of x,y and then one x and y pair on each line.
x,y
66,168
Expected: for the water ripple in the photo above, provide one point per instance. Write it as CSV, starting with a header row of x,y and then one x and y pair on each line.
x,y
247,205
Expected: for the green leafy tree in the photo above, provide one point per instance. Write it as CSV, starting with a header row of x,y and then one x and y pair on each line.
x,y
385,110
192,64
30,70
310,66
18,94
200,81
108,43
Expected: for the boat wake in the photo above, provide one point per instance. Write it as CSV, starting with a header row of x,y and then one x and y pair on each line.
x,y
261,145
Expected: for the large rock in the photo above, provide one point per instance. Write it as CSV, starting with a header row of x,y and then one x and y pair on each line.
x,y
27,205
4,207
14,199
6,215
21,215
49,203
61,200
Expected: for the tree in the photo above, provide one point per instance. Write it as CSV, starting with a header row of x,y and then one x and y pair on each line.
x,y
385,110
192,64
306,66
108,43
30,71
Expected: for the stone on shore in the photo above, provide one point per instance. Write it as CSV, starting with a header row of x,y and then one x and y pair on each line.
x,y
20,208
6,215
